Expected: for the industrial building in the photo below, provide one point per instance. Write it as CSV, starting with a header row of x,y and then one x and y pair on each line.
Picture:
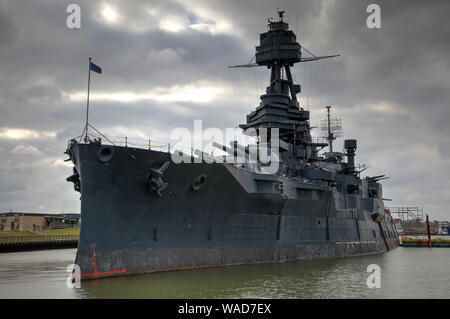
x,y
18,221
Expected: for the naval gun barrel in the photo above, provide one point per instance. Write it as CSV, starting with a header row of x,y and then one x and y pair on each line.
x,y
238,146
223,148
230,151
378,178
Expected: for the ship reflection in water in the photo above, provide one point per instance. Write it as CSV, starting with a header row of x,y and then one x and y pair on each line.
x,y
405,273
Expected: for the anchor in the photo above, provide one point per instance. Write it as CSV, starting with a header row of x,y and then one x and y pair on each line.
x,y
154,179
75,179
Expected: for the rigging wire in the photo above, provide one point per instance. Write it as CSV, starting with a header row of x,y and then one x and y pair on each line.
x,y
308,88
307,50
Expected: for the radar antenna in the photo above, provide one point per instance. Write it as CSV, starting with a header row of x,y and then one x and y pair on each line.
x,y
331,128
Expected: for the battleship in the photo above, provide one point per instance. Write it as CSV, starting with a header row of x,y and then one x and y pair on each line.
x,y
141,212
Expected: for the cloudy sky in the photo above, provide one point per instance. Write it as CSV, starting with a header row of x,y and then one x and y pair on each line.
x,y
164,66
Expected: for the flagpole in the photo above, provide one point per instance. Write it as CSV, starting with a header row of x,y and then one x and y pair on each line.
x,y
87,107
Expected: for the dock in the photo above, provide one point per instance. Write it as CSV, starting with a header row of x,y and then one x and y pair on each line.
x,y
24,243
424,241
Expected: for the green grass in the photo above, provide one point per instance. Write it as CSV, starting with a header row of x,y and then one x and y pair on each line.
x,y
15,233
58,232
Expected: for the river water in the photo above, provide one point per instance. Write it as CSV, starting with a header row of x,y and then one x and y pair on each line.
x,y
405,273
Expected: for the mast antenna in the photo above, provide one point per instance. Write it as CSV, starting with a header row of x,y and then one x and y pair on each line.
x,y
331,128
330,134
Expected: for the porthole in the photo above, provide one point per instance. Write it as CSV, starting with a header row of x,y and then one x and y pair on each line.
x,y
105,153
198,182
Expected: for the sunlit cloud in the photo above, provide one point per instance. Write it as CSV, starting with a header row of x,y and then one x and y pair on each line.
x,y
117,134
211,26
219,25
109,13
173,24
18,134
385,108
60,162
26,150
186,93
200,95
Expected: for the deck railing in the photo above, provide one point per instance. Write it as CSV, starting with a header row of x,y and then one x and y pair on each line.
x,y
126,141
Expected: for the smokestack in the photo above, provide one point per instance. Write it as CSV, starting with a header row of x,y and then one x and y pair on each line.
x,y
350,148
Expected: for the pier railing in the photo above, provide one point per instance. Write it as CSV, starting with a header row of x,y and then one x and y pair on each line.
x,y
37,239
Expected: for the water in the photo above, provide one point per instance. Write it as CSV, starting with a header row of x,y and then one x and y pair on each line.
x,y
405,273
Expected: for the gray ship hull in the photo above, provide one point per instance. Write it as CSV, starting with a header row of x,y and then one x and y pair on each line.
x,y
234,217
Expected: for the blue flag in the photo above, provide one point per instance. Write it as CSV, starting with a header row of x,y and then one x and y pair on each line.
x,y
95,68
